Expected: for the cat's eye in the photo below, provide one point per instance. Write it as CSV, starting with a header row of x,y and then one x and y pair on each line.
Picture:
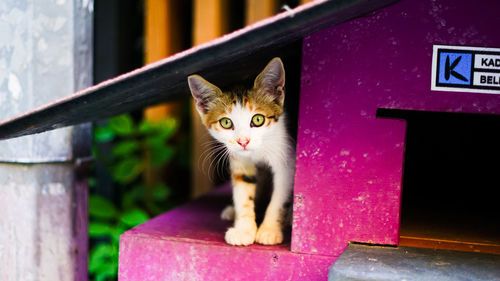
x,y
226,123
257,120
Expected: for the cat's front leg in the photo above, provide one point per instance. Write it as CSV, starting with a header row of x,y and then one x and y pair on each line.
x,y
270,231
243,176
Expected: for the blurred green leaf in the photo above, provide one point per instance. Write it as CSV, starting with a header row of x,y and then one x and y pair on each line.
x,y
101,207
95,265
91,182
163,128
115,236
128,169
124,157
103,134
100,254
147,127
97,229
107,271
153,141
122,125
125,147
130,197
134,217
168,127
161,154
161,192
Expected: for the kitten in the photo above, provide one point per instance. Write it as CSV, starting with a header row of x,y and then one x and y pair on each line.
x,y
251,125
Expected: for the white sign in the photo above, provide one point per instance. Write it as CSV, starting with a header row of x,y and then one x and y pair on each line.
x,y
465,69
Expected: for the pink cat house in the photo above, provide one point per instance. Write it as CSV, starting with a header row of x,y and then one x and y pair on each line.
x,y
361,61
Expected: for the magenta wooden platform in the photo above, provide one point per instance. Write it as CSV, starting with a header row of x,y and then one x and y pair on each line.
x,y
188,244
349,163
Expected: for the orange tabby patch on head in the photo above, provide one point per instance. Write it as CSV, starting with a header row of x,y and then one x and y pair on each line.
x,y
265,103
213,116
250,106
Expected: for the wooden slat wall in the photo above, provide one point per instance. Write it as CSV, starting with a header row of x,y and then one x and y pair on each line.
x,y
162,38
259,9
209,21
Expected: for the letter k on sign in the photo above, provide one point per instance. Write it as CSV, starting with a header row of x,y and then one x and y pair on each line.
x,y
454,68
449,69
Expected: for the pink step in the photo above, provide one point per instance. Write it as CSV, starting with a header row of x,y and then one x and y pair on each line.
x,y
188,244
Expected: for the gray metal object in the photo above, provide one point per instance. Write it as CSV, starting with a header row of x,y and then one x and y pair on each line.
x,y
360,262
45,54
226,59
43,223
45,49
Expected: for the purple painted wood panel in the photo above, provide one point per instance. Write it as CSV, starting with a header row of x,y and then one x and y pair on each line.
x,y
349,163
146,258
188,244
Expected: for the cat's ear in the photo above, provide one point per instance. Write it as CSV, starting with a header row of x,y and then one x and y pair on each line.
x,y
272,80
203,92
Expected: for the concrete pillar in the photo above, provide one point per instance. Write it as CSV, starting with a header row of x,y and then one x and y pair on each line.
x,y
45,54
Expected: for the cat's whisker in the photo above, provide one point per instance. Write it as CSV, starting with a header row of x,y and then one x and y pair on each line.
x,y
208,155
208,152
221,156
214,169
205,156
225,163
208,161
217,163
220,162
226,160
210,143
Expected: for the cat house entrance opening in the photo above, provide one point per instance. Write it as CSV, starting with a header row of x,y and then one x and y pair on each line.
x,y
452,163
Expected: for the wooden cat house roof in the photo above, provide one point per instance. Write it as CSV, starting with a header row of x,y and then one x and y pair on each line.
x,y
230,56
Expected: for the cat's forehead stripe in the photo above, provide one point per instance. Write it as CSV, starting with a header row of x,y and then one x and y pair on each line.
x,y
253,100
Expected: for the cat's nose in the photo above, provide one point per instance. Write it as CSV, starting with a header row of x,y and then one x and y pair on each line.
x,y
243,142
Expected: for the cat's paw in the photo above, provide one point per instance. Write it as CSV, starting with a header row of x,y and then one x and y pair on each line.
x,y
228,213
240,236
269,235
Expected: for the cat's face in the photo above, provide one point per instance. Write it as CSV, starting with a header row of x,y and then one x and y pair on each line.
x,y
243,127
242,119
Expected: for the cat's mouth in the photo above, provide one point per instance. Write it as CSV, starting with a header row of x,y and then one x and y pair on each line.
x,y
243,151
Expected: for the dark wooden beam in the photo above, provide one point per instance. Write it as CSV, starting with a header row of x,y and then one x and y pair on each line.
x,y
228,58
